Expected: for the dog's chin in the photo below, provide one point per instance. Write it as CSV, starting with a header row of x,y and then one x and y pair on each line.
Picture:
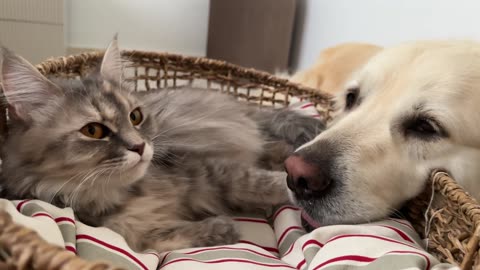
x,y
319,212
317,216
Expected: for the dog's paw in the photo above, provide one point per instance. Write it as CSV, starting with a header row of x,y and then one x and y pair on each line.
x,y
219,230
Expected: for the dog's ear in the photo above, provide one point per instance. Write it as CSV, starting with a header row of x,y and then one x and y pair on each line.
x,y
319,81
111,67
309,78
25,89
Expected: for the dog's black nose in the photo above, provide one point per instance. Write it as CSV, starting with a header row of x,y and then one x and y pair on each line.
x,y
304,178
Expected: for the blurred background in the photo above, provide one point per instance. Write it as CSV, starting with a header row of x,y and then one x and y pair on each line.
x,y
269,35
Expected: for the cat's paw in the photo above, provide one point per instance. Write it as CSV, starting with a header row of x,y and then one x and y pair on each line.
x,y
220,230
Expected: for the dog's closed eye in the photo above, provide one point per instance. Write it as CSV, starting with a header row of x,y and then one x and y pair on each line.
x,y
423,127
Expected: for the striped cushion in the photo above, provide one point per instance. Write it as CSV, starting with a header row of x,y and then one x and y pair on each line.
x,y
389,244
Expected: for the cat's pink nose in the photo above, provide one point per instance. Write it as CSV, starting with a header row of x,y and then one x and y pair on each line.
x,y
138,148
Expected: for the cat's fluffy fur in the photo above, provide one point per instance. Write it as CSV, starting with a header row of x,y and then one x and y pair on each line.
x,y
204,156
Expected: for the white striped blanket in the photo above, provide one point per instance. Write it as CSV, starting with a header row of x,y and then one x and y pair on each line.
x,y
278,242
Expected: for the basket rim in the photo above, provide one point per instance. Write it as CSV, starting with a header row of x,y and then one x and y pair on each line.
x,y
447,186
55,64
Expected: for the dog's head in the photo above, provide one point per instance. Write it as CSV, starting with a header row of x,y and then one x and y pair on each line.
x,y
411,109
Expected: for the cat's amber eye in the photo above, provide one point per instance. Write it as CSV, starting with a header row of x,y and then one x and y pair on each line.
x,y
95,130
136,117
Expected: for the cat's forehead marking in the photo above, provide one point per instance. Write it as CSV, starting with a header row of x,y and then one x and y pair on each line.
x,y
112,106
123,100
92,113
108,112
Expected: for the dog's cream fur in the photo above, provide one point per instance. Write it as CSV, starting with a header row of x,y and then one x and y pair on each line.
x,y
335,65
379,167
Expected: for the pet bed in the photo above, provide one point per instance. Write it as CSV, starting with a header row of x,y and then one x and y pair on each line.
x,y
451,225
389,244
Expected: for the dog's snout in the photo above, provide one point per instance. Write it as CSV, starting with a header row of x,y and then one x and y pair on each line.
x,y
304,178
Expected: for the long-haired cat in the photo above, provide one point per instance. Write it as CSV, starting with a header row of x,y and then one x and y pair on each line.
x,y
163,168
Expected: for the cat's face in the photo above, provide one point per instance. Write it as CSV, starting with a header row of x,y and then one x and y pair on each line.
x,y
98,126
72,136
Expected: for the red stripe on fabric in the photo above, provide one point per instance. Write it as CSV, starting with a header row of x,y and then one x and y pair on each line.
x,y
412,252
120,250
399,232
300,264
67,219
57,220
72,249
251,220
230,261
405,223
230,248
154,254
358,258
306,106
355,258
284,208
286,231
309,242
371,236
164,258
20,204
289,249
42,214
312,242
271,249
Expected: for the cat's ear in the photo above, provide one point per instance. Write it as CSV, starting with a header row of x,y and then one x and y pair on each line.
x,y
111,68
24,87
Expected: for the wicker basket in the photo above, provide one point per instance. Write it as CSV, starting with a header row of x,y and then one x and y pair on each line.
x,y
451,224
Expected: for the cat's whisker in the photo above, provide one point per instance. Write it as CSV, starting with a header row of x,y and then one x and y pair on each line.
x,y
162,161
160,135
396,212
107,183
100,172
170,157
75,191
94,175
88,175
115,161
64,184
173,144
102,184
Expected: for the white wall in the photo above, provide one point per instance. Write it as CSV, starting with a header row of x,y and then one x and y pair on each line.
x,y
383,22
178,26
33,29
181,26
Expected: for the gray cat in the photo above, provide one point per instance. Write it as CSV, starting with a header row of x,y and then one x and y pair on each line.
x,y
163,168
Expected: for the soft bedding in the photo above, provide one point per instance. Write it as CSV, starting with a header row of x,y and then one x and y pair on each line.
x,y
278,242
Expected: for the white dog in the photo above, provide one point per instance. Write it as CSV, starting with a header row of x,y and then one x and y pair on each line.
x,y
411,109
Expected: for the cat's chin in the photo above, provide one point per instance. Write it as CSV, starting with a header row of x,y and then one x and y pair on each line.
x,y
130,175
